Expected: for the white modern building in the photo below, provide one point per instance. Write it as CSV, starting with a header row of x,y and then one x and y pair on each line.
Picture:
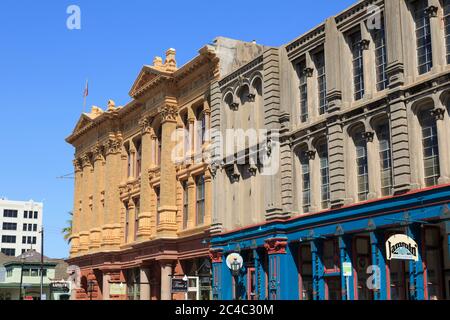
x,y
20,224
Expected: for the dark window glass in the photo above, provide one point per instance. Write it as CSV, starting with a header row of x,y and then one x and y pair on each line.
x,y
380,57
423,36
303,91
358,66
321,82
200,192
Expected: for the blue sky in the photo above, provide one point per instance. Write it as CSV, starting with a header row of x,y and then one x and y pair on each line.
x,y
44,66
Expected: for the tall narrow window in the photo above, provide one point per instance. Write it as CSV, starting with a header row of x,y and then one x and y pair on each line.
x,y
128,162
158,199
306,181
201,132
138,158
447,27
137,210
358,68
185,204
321,82
423,36
159,138
430,148
200,192
322,151
303,91
127,221
384,139
361,166
380,56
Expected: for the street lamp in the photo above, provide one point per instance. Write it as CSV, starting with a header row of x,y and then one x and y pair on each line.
x,y
235,268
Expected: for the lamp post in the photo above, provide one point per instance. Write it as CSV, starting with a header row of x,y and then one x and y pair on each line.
x,y
90,288
235,268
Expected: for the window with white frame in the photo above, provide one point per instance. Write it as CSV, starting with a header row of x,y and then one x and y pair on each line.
x,y
321,82
423,36
362,170
306,181
380,56
322,151
357,64
430,147
384,141
303,89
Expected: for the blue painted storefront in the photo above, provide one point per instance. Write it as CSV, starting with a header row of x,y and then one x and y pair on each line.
x,y
273,251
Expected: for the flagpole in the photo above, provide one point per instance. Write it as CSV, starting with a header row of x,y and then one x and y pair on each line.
x,y
85,94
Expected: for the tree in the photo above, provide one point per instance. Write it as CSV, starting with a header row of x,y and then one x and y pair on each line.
x,y
67,231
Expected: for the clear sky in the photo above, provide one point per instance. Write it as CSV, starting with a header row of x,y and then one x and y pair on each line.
x,y
44,67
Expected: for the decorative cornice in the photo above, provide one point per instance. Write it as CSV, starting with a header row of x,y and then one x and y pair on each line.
x,y
234,76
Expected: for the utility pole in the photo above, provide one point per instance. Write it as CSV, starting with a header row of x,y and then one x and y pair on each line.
x,y
42,261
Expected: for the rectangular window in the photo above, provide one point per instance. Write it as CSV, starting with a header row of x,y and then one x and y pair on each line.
x,y
127,221
361,166
200,194
321,82
7,213
35,214
306,182
430,148
9,226
25,227
9,272
24,240
380,56
29,240
137,210
34,272
358,67
34,240
384,139
185,204
447,27
303,91
26,272
8,239
423,36
9,252
158,200
322,151
30,226
25,214
138,158
34,227
331,255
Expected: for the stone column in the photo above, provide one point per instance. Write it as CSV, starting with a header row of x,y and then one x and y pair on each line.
x,y
394,44
377,243
333,74
444,167
437,35
337,164
105,288
314,179
400,144
208,195
144,231
192,208
111,229
98,187
368,47
145,283
372,165
87,202
166,272
168,208
76,214
317,270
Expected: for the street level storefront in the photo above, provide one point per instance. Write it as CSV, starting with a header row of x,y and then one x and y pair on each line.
x,y
148,271
396,248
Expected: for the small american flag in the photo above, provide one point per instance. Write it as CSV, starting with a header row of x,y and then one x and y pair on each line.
x,y
86,90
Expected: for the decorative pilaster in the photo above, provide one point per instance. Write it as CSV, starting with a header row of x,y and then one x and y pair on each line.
x,y
216,255
377,245
317,270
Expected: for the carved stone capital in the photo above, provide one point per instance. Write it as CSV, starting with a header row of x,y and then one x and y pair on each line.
x,y
251,97
86,160
145,124
97,152
77,164
438,113
364,44
432,11
112,146
169,113
368,135
234,106
308,72
311,154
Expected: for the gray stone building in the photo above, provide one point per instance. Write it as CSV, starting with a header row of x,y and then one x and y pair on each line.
x,y
359,106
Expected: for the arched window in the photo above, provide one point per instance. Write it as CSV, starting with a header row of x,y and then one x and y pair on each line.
x,y
384,141
362,170
430,147
306,181
322,152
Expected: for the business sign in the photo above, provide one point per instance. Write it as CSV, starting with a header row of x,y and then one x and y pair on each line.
x,y
117,289
179,285
401,247
347,269
60,286
234,257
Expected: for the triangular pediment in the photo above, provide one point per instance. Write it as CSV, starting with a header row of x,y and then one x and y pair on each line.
x,y
146,75
83,122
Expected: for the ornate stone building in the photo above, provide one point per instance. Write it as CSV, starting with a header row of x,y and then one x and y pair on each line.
x,y
360,106
142,213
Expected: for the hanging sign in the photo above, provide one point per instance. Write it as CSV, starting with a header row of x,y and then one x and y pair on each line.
x,y
401,247
179,285
347,269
